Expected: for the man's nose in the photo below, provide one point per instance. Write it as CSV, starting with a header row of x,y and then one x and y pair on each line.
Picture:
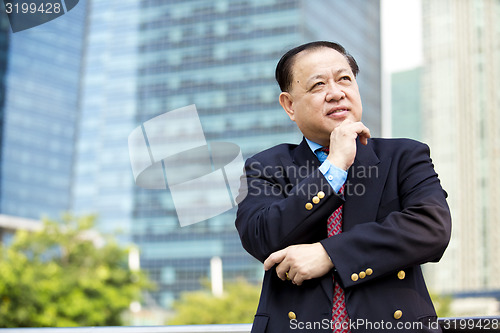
x,y
334,92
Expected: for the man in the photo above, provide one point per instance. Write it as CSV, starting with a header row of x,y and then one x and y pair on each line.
x,y
341,222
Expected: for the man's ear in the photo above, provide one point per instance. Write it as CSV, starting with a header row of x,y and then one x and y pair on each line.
x,y
286,102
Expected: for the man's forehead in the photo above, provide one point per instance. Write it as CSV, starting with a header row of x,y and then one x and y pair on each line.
x,y
308,59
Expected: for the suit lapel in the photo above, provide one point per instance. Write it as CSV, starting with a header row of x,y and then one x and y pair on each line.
x,y
306,162
364,186
362,192
302,163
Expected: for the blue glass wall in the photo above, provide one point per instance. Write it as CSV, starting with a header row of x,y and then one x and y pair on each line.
x,y
221,56
103,182
150,57
4,51
39,116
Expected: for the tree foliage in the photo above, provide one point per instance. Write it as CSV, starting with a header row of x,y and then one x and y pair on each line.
x,y
442,303
237,305
59,277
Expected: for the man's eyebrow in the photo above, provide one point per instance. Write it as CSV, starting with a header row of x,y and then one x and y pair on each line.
x,y
322,76
315,77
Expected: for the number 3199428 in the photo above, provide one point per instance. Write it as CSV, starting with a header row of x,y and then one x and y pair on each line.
x,y
32,8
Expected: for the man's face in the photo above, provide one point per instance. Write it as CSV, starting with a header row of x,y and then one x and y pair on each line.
x,y
323,93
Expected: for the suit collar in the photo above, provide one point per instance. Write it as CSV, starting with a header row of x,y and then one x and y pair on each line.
x,y
365,184
303,155
365,154
373,186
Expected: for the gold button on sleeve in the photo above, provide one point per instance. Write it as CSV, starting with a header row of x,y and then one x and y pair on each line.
x,y
401,275
315,200
354,277
309,206
292,315
321,194
398,314
362,275
369,271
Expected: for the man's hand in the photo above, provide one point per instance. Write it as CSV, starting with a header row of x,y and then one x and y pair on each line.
x,y
300,262
343,142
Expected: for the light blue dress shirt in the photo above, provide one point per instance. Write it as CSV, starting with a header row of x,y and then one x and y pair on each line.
x,y
335,176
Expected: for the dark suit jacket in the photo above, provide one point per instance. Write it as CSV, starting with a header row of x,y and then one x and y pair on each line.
x,y
395,218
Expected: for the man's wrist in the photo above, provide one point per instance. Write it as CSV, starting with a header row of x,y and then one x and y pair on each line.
x,y
335,176
338,164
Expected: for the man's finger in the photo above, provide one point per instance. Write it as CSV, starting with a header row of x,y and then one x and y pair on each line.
x,y
363,133
283,271
274,258
363,136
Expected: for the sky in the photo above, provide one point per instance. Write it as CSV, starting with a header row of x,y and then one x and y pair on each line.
x,y
401,34
401,47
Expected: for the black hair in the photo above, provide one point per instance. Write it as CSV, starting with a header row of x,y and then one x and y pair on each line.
x,y
284,68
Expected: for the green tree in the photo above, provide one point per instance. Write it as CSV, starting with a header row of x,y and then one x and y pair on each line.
x,y
65,275
237,305
442,303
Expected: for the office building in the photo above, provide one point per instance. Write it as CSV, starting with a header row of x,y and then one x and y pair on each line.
x,y
150,57
460,84
406,104
4,52
40,72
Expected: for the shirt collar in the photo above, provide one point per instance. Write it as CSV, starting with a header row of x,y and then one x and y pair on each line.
x,y
313,145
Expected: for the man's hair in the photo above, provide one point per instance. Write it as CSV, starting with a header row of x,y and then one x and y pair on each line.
x,y
284,68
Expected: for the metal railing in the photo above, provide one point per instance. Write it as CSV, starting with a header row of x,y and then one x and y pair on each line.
x,y
449,325
229,328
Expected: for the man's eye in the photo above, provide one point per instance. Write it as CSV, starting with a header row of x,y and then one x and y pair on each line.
x,y
319,84
348,78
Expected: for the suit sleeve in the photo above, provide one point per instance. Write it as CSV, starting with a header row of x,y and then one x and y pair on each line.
x,y
277,213
416,233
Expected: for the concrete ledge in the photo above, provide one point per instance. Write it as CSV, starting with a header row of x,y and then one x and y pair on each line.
x,y
449,325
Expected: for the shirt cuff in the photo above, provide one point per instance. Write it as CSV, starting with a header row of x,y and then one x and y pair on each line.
x,y
335,176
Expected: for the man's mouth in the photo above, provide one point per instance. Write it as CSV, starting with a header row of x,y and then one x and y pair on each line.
x,y
337,112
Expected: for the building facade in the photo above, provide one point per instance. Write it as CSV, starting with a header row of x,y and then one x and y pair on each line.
x,y
150,57
406,104
40,80
460,103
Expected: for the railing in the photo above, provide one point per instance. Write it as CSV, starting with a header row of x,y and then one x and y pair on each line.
x,y
230,328
449,325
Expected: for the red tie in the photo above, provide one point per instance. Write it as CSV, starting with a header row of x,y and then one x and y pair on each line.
x,y
340,318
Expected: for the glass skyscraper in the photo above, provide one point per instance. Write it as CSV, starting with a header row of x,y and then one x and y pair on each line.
x,y
460,122
150,57
4,51
405,101
40,72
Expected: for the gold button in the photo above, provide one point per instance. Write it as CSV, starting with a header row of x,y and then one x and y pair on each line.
x,y
315,200
321,194
292,315
309,206
362,275
398,314
401,275
354,277
369,271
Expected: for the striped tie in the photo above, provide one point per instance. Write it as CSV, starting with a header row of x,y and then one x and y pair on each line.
x,y
340,318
